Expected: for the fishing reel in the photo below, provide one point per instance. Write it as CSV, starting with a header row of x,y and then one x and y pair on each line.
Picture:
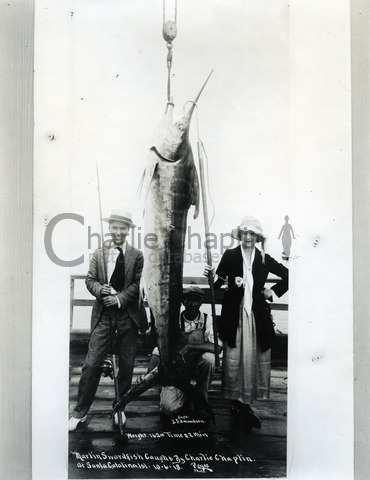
x,y
107,368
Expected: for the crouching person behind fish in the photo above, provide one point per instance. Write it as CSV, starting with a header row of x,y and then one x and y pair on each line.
x,y
195,356
116,309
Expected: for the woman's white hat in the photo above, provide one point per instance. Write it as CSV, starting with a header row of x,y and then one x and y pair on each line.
x,y
248,224
120,216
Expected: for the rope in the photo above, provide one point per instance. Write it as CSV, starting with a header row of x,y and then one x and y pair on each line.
x,y
200,141
164,13
169,64
207,169
208,187
169,32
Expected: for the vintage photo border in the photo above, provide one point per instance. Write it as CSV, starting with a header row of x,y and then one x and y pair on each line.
x,y
17,216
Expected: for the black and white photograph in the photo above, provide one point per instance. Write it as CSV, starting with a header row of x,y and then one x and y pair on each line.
x,y
192,282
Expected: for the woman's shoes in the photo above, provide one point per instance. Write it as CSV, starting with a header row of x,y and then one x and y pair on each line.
x,y
250,419
235,407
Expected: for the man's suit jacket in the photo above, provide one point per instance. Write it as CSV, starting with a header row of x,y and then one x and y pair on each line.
x,y
231,266
129,296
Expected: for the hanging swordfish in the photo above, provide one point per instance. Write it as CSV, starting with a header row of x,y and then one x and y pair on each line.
x,y
170,186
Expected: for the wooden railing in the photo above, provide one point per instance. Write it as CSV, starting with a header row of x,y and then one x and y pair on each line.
x,y
79,337
200,281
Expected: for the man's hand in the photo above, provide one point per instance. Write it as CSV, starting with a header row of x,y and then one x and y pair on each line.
x,y
110,301
180,356
208,269
106,290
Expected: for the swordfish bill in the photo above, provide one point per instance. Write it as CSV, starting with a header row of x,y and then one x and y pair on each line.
x,y
171,186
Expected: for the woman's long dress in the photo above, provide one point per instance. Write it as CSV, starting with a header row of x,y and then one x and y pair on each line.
x,y
245,369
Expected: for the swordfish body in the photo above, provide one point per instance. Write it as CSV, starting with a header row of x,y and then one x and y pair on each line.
x,y
170,186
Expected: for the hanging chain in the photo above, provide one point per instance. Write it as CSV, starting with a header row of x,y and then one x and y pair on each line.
x,y
169,33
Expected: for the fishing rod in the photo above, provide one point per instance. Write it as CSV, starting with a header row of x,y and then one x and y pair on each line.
x,y
105,278
101,223
208,249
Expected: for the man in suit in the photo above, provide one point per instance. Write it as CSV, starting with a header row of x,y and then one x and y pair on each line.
x,y
116,309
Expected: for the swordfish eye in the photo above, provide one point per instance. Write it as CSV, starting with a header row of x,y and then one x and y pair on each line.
x,y
181,126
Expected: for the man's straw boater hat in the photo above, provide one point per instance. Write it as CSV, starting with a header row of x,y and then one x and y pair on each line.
x,y
120,216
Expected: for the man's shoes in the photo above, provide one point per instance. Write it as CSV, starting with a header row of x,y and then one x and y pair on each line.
x,y
123,416
73,422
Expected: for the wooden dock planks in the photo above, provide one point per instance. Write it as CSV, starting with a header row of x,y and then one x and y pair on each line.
x,y
149,436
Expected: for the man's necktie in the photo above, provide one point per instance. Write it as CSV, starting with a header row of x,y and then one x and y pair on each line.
x,y
118,276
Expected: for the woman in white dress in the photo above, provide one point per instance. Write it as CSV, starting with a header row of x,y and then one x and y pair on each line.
x,y
246,326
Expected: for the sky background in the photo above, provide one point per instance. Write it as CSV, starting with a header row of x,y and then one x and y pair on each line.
x,y
116,81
